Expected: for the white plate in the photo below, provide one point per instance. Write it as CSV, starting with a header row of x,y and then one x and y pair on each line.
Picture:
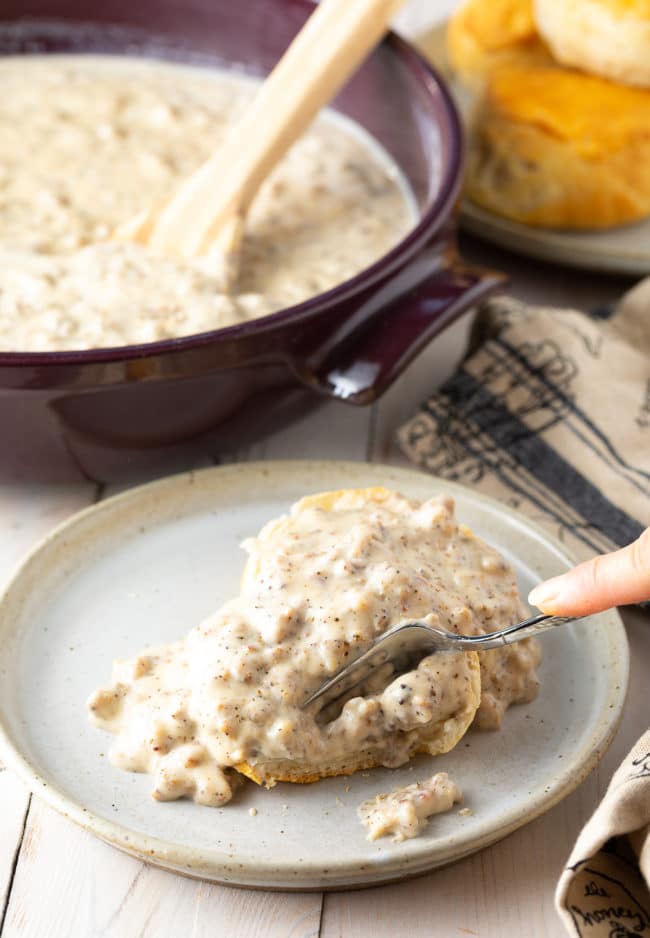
x,y
146,566
621,250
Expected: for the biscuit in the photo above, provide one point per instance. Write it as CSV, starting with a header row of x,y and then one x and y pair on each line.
x,y
482,35
610,38
558,148
433,738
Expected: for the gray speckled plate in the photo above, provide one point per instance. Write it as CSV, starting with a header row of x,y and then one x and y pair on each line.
x,y
146,566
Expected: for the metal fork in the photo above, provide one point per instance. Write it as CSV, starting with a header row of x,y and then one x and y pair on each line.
x,y
404,646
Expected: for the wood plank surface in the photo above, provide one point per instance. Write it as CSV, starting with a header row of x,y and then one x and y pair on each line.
x,y
27,512
70,884
14,802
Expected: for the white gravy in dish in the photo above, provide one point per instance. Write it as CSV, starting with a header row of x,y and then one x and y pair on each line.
x,y
86,142
319,585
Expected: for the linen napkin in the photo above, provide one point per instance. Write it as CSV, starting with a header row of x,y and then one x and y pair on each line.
x,y
550,413
603,892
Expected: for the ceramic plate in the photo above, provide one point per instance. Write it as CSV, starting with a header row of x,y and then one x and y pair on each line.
x,y
146,566
622,250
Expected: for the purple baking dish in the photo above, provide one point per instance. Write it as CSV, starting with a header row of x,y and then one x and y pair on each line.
x,y
108,413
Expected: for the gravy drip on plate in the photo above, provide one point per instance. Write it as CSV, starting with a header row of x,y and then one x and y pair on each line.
x,y
87,142
404,812
319,585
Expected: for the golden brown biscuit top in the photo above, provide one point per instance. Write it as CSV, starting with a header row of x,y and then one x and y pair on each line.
x,y
482,35
498,24
571,106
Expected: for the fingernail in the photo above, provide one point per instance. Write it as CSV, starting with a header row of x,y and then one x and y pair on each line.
x,y
544,595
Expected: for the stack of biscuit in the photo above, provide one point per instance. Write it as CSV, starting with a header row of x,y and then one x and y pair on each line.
x,y
560,126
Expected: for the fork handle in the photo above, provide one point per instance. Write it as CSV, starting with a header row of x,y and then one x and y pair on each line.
x,y
518,632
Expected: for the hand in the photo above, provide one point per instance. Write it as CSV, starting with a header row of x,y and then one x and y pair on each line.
x,y
614,579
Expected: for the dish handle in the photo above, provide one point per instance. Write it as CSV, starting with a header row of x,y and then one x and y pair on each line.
x,y
361,359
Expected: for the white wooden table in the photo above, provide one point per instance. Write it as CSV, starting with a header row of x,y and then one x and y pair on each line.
x,y
58,882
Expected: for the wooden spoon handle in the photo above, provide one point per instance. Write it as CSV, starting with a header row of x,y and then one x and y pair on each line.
x,y
333,42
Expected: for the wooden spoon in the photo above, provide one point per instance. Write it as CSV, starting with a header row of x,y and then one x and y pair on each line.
x,y
207,214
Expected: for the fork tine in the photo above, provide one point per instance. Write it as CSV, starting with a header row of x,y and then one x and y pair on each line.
x,y
415,639
409,638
